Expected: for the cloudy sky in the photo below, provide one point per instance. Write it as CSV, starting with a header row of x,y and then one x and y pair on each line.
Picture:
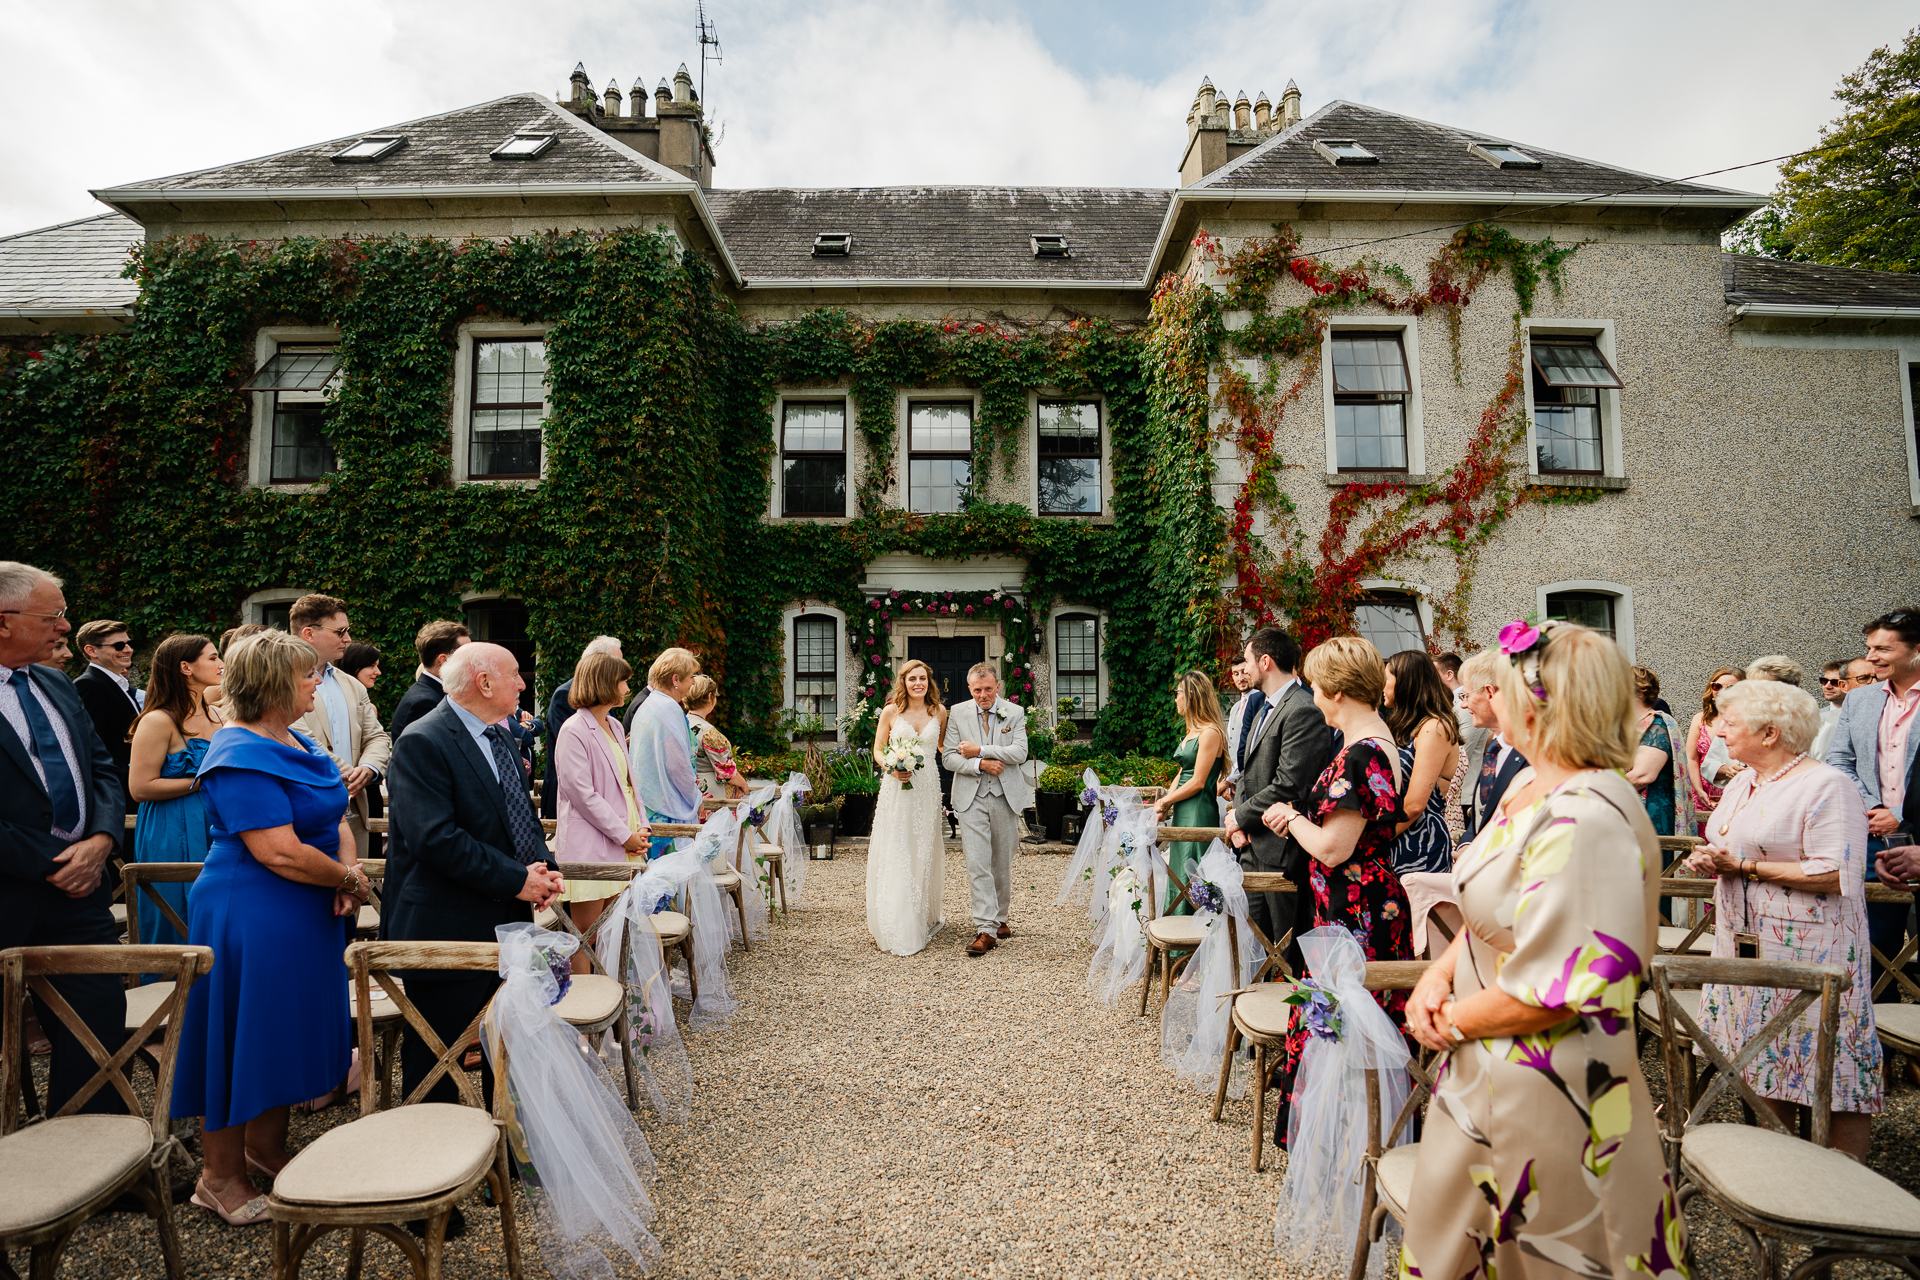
x,y
873,92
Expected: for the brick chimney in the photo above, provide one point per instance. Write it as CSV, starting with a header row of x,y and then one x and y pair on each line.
x,y
675,135
1219,131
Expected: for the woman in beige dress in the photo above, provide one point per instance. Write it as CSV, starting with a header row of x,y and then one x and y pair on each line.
x,y
1541,1155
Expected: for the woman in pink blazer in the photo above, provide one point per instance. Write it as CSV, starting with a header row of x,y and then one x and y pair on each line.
x,y
600,817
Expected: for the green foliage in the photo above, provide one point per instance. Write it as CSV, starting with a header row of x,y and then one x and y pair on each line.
x,y
1040,745
775,765
1059,778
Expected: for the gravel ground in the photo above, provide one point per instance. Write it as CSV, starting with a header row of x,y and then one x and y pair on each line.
x,y
869,1115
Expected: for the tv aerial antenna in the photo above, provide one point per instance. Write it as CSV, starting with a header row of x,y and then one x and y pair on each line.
x,y
708,36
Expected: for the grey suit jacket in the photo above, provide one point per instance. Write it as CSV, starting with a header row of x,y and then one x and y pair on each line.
x,y
1009,746
1283,763
1855,749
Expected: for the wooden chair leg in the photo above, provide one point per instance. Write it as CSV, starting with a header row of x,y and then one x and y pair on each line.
x,y
1259,1103
283,1252
509,1224
437,1245
623,1028
160,1205
693,972
778,868
1166,983
1226,1067
740,902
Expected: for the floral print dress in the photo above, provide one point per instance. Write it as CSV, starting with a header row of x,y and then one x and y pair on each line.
x,y
713,764
1541,1155
1362,894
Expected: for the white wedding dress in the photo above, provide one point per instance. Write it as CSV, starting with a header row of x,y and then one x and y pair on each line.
x,y
906,858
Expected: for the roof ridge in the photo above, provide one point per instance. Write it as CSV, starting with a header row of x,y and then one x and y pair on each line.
x,y
940,186
71,222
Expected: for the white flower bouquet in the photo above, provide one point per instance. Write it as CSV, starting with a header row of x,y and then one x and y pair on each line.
x,y
904,754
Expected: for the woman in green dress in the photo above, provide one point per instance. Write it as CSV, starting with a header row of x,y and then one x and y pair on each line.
x,y
1202,757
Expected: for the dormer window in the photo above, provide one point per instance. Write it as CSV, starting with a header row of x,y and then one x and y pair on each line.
x,y
1503,155
1050,247
523,146
833,244
1344,151
376,146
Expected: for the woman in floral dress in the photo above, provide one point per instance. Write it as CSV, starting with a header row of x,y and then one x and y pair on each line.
x,y
1348,828
713,764
1541,1155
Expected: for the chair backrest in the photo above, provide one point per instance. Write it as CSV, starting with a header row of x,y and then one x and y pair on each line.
x,y
1395,975
374,962
622,871
137,880
29,968
1825,983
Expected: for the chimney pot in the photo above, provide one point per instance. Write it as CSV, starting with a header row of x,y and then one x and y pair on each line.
x,y
637,98
581,87
1262,111
663,95
1241,109
682,85
1290,105
613,98
1207,99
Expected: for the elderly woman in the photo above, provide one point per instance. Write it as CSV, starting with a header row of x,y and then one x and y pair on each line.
x,y
660,745
269,1027
713,762
1789,843
600,817
1542,1108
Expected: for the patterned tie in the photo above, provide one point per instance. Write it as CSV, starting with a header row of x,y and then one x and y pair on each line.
x,y
529,842
1250,721
46,744
1489,773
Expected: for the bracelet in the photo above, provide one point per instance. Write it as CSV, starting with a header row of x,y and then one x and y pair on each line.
x,y
351,882
1453,1028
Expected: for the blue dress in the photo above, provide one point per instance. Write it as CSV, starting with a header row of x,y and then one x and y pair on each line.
x,y
172,831
270,1025
1427,845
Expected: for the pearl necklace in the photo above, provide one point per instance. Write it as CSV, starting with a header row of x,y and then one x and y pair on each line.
x,y
1775,776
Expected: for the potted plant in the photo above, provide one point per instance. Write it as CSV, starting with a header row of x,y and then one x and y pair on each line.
x,y
1058,795
822,810
857,786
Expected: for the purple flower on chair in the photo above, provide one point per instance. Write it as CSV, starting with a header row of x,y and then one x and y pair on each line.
x,y
1206,896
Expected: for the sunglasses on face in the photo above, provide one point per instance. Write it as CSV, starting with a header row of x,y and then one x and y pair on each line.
x,y
116,646
1833,679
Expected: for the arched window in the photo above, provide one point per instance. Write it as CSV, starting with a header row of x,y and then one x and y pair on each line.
x,y
1607,607
503,621
1391,620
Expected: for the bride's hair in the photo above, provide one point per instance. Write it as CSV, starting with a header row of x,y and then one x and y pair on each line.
x,y
898,699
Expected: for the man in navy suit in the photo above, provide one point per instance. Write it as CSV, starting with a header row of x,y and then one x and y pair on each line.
x,y
62,813
1492,770
434,644
466,846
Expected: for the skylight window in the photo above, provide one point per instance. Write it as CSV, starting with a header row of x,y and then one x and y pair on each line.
x,y
1344,151
1051,247
1502,155
523,146
833,244
375,146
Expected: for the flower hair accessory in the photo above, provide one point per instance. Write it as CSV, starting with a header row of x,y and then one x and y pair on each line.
x,y
1524,643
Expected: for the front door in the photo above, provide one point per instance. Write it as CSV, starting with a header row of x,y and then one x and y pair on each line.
x,y
951,658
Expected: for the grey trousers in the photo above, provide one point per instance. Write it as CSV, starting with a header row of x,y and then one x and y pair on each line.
x,y
989,832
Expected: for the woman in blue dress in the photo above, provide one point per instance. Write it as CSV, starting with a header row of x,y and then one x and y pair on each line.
x,y
269,1026
169,739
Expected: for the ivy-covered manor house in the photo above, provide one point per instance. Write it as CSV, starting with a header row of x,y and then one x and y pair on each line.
x,y
526,361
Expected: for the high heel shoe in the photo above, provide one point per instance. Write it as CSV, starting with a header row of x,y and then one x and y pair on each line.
x,y
251,1214
259,1168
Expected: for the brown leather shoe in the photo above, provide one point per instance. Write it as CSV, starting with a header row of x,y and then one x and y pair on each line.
x,y
1003,931
981,944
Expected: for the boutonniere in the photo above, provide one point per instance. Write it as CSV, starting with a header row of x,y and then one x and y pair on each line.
x,y
1000,715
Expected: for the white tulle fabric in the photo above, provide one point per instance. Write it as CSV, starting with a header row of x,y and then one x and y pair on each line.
x,y
686,874
1121,958
784,829
741,857
906,860
658,1053
1080,867
1193,1029
1096,859
583,1161
1314,1224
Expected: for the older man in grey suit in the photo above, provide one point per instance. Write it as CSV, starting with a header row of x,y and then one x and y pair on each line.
x,y
985,745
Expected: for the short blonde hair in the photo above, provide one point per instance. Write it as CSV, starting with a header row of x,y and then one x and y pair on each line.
x,y
263,674
1481,670
671,663
1770,704
1587,719
1776,666
596,680
701,691
1349,665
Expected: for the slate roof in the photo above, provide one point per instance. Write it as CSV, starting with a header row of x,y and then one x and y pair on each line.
x,y
451,149
72,266
1768,281
905,234
1417,155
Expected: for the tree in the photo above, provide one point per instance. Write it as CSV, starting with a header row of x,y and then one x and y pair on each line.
x,y
1855,201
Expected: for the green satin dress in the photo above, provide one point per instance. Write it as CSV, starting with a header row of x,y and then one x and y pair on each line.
x,y
1201,810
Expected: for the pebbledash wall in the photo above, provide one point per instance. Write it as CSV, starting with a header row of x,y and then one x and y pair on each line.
x,y
1759,495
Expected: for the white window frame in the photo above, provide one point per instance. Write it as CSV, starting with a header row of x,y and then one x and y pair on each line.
x,y
266,343
903,432
1031,453
253,609
1052,655
1422,601
811,609
856,456
1612,450
1622,603
1409,332
462,425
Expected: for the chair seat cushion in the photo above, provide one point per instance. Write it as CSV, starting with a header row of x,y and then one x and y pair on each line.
x,y
143,1000
369,917
1898,1024
1672,935
1263,1011
1649,1005
381,1008
546,918
1396,1178
727,881
672,926
408,1153
53,1168
119,913
1744,1164
767,851
1176,931
590,998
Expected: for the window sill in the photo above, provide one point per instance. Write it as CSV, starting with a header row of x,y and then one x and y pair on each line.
x,y
1612,484
784,519
1341,479
292,486
501,483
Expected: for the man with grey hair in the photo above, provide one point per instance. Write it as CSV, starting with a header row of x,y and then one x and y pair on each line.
x,y
61,816
558,709
1776,666
985,746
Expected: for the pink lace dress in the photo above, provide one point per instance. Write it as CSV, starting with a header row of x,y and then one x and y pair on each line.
x,y
1706,796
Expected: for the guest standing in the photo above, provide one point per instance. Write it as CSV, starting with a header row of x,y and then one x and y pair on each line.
x,y
270,1026
1201,755
1542,1104
104,688
600,818
660,745
713,764
1237,725
169,741
1833,692
1420,712
433,644
1652,770
362,662
1347,826
558,709
1789,844
1700,740
1494,767
342,720
61,817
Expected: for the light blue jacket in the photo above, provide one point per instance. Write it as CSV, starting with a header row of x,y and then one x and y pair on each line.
x,y
1855,750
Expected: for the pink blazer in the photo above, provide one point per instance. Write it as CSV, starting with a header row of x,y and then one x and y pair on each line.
x,y
593,813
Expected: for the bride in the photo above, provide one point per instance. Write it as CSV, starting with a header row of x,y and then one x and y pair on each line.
x,y
906,862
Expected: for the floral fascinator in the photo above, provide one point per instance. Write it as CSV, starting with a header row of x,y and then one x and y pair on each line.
x,y
1524,643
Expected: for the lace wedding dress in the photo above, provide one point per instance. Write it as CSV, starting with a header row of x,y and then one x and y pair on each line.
x,y
906,858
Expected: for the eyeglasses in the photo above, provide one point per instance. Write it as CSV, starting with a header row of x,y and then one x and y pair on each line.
x,y
116,646
28,613
345,633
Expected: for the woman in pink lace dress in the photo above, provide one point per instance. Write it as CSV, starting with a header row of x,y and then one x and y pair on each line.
x,y
1789,843
1700,738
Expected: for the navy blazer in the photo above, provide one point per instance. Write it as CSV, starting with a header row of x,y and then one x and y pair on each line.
x,y
113,712
1283,762
558,709
450,877
1855,749
1501,781
422,696
27,843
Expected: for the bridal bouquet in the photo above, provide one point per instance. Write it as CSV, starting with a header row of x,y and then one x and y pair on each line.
x,y
904,755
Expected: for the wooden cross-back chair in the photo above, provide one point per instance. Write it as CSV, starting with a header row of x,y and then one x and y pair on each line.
x,y
1836,1207
414,1162
1389,1167
1166,936
59,1172
731,880
137,881
1258,1015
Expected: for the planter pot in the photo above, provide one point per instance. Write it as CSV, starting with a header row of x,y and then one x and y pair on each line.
x,y
856,815
819,834
1053,807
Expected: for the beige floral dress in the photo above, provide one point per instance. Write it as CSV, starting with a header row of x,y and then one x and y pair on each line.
x,y
1541,1155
